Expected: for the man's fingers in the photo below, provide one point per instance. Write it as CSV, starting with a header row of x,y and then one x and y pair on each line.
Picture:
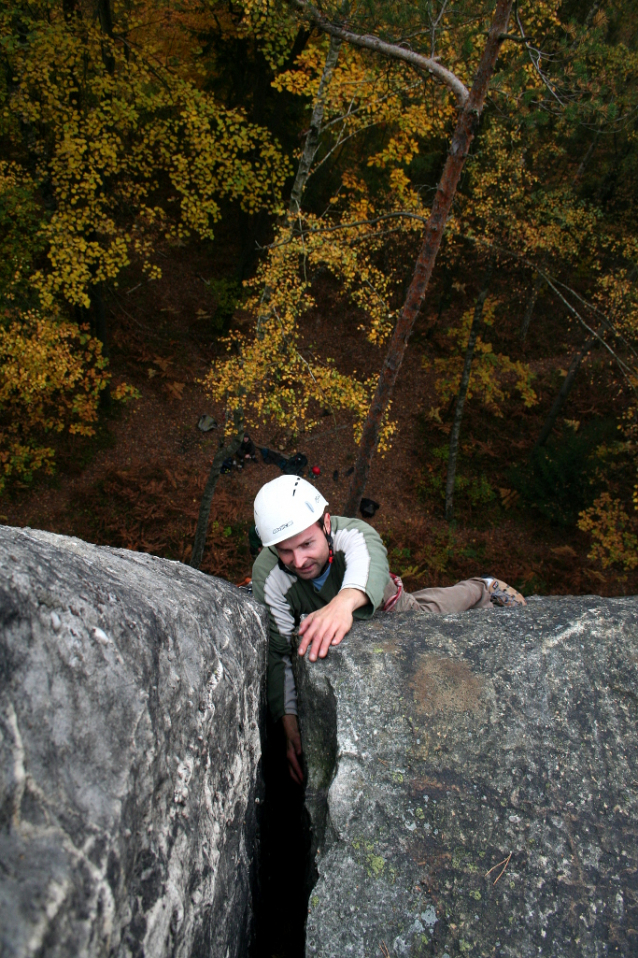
x,y
305,642
324,630
327,641
333,638
320,640
293,766
338,636
307,630
303,645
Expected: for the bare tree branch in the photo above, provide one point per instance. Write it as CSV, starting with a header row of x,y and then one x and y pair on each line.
x,y
626,370
435,24
466,127
535,56
392,50
401,214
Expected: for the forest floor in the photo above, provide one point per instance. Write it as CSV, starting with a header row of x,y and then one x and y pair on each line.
x,y
137,484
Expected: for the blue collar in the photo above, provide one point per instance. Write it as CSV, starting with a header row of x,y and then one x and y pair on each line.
x,y
320,580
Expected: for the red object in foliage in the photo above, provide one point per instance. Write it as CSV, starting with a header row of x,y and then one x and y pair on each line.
x,y
316,471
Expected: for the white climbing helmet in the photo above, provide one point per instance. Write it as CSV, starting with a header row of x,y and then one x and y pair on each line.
x,y
285,507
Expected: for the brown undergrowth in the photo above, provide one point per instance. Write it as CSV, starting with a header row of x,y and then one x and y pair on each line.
x,y
152,508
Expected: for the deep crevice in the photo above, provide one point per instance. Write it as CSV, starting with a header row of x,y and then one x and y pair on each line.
x,y
282,900
295,823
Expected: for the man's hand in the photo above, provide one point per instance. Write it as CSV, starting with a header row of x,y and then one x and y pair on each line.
x,y
329,625
293,747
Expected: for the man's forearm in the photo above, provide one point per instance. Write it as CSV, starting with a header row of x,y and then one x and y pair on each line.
x,y
352,598
293,747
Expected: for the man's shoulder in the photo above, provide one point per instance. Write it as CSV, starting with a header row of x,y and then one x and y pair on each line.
x,y
266,568
342,523
262,567
352,530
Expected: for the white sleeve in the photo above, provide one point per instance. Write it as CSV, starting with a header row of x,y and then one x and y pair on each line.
x,y
353,545
290,690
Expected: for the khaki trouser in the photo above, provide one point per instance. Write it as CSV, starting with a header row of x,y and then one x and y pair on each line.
x,y
469,594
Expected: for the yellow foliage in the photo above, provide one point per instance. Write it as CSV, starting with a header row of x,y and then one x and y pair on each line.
x,y
492,375
109,138
51,377
613,541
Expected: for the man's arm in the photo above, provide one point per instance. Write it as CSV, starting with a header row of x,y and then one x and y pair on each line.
x,y
293,747
363,584
328,626
366,561
282,695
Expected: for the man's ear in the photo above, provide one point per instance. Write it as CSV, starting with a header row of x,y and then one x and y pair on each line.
x,y
326,522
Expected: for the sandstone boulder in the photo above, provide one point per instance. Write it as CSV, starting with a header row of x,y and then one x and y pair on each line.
x,y
131,697
473,784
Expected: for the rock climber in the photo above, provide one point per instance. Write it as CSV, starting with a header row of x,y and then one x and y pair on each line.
x,y
331,570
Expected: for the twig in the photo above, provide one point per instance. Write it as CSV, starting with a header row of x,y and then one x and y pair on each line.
x,y
536,63
434,26
626,370
383,763
346,226
143,283
384,950
504,863
494,867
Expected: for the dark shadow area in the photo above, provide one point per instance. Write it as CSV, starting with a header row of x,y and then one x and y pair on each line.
x,y
282,903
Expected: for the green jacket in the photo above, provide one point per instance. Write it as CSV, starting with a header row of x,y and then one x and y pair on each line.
x,y
359,562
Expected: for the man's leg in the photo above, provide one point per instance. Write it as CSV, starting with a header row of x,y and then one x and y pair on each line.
x,y
469,594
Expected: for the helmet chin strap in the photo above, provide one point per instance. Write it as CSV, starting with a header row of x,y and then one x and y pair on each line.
x,y
328,536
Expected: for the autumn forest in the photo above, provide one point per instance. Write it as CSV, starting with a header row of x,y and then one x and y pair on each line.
x,y
397,239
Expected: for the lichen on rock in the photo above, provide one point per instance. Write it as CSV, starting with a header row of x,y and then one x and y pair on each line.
x,y
483,794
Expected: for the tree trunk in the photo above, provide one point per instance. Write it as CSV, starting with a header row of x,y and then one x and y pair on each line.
x,y
529,309
311,145
99,330
593,10
105,16
313,135
463,135
199,542
460,399
565,390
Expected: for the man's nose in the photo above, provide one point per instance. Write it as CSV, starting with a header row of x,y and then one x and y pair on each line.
x,y
298,557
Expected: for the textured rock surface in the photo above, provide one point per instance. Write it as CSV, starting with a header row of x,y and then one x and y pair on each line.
x,y
455,741
131,692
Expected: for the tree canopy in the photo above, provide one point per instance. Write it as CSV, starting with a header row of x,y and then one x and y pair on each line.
x,y
128,125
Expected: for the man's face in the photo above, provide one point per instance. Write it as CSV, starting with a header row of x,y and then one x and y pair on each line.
x,y
306,553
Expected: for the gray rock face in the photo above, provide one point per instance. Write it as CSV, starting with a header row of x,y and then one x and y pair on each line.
x,y
481,778
131,694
